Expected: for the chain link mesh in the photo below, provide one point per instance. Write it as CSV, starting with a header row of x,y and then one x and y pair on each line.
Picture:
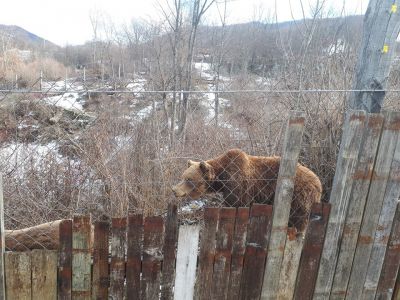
x,y
83,145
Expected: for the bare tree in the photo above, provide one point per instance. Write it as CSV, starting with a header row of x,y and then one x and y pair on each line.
x,y
199,8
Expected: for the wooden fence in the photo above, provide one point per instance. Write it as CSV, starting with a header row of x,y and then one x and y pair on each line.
x,y
351,249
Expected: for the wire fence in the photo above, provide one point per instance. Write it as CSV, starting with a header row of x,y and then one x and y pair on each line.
x,y
106,147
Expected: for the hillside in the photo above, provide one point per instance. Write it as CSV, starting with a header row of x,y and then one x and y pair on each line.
x,y
23,39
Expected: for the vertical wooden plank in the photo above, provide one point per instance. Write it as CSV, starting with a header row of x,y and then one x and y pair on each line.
x,y
290,265
44,274
382,233
391,263
186,260
169,251
340,194
117,266
206,255
65,261
2,242
396,294
152,256
282,203
18,275
134,256
361,181
238,249
256,251
101,278
223,250
387,146
81,260
312,250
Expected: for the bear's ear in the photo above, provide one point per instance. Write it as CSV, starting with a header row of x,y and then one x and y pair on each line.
x,y
207,170
190,162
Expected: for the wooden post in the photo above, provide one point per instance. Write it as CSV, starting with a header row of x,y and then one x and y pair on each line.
x,y
81,259
258,236
117,266
391,264
381,28
44,274
41,80
282,203
238,249
153,231
340,194
206,255
169,252
134,254
383,228
376,194
101,277
2,242
65,260
223,250
186,260
18,275
290,265
312,250
362,179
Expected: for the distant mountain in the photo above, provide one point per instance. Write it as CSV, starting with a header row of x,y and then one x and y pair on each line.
x,y
24,39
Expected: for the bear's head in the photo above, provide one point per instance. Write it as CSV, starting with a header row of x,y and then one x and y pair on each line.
x,y
195,181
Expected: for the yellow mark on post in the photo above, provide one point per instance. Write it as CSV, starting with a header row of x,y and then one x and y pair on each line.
x,y
394,8
385,48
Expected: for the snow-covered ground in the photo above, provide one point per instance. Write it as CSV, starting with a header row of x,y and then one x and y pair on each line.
x,y
68,101
15,155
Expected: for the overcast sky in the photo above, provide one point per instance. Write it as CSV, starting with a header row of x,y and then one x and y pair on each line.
x,y
68,21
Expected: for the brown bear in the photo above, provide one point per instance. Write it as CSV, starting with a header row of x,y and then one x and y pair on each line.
x,y
244,179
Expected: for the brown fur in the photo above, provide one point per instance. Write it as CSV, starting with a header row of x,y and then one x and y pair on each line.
x,y
244,179
42,236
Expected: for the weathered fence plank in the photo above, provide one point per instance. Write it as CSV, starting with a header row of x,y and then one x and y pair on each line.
x,y
2,243
282,203
340,194
382,233
312,250
134,254
117,266
361,181
223,250
206,255
65,261
290,265
391,263
81,258
101,279
238,249
256,251
396,294
152,256
44,274
387,146
18,275
169,252
186,260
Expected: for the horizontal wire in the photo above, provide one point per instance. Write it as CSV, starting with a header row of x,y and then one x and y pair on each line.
x,y
11,91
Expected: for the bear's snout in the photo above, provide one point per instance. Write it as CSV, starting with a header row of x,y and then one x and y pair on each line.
x,y
177,191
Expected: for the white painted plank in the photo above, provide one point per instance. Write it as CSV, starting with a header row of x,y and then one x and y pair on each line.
x,y
186,259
